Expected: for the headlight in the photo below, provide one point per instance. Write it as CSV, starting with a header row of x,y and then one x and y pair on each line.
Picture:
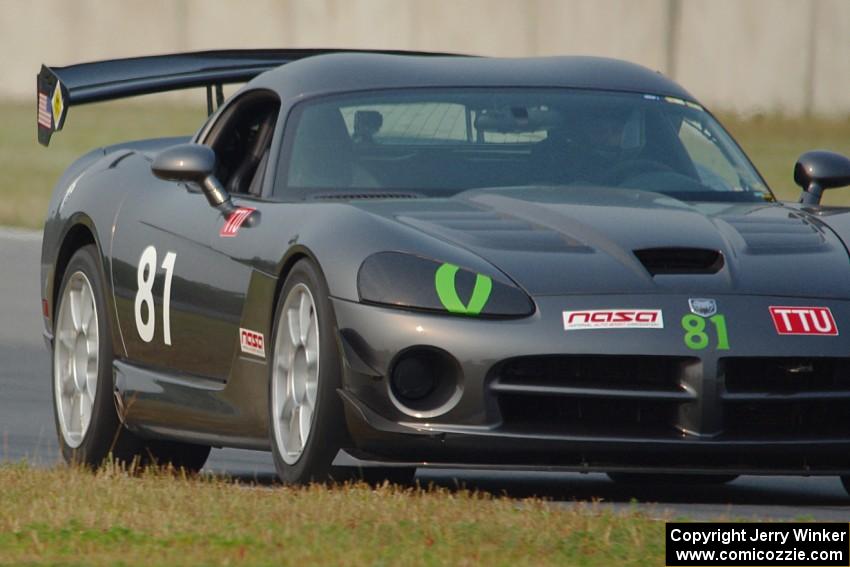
x,y
412,282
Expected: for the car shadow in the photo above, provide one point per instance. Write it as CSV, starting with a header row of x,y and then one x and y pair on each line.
x,y
790,491
749,491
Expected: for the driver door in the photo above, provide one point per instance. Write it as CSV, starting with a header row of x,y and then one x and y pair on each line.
x,y
179,297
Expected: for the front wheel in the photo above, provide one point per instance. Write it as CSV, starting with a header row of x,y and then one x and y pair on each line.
x,y
307,424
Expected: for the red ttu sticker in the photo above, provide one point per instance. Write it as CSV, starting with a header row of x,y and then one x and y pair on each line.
x,y
792,320
235,221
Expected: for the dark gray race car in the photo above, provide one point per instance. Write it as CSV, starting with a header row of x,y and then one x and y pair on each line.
x,y
382,261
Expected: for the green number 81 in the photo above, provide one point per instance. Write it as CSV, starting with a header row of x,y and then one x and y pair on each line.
x,y
695,336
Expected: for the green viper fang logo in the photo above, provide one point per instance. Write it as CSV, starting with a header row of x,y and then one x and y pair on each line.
x,y
444,281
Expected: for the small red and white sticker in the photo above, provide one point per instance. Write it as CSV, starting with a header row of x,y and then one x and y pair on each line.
x,y
235,221
252,342
613,319
794,320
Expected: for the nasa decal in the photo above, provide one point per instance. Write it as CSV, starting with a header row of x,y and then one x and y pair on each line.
x,y
252,342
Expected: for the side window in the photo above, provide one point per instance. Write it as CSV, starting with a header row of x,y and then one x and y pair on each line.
x,y
242,138
712,166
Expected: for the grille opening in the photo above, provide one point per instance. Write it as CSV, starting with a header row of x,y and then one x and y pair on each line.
x,y
612,372
587,417
771,397
596,413
816,420
786,375
678,261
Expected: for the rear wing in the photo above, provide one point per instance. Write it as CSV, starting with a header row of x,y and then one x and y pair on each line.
x,y
59,88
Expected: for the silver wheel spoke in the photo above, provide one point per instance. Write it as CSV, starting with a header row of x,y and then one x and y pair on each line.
x,y
311,349
294,331
86,309
66,340
304,417
282,365
74,425
289,390
312,391
84,412
86,403
76,316
304,314
285,410
295,440
91,382
91,347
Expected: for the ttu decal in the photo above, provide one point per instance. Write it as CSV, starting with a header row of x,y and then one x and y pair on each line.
x,y
252,342
613,319
791,320
235,221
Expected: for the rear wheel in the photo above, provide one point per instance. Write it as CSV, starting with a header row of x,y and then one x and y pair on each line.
x,y
649,478
86,418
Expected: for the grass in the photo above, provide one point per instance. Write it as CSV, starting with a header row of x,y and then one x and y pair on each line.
x,y
774,143
30,171
68,516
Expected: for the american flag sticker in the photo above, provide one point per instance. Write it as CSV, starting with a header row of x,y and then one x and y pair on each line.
x,y
236,219
45,113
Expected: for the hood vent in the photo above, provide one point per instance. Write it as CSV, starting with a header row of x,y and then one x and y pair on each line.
x,y
490,230
790,234
680,261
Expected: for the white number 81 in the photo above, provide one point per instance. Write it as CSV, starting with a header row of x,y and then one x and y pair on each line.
x,y
146,326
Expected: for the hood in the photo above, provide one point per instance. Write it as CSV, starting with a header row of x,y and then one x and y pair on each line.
x,y
574,240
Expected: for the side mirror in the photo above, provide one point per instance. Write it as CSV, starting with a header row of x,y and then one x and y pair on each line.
x,y
818,170
193,163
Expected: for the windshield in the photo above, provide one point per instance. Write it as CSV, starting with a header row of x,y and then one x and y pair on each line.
x,y
438,142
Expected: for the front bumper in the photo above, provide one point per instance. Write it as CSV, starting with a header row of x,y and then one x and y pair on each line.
x,y
537,396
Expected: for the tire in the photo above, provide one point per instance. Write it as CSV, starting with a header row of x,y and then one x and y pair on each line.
x,y
306,420
650,478
84,411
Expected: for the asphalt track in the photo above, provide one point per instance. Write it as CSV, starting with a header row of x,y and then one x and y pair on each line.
x,y
27,432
